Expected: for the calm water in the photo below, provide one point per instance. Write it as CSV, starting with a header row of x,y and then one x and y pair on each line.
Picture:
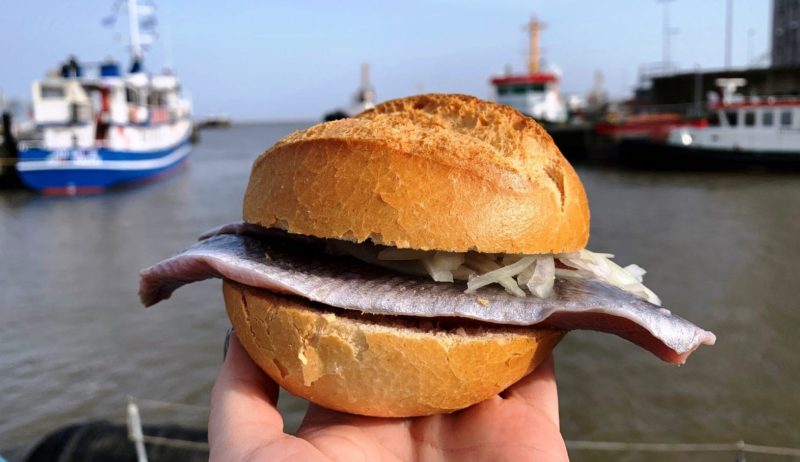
x,y
722,250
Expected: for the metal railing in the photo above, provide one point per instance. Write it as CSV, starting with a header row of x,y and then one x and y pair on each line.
x,y
139,439
739,448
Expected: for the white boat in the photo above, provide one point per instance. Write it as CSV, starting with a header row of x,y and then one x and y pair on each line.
x,y
739,129
535,93
100,127
363,99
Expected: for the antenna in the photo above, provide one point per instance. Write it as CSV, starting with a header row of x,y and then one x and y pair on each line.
x,y
133,23
728,32
666,32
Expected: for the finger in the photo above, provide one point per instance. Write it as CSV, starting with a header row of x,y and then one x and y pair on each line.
x,y
243,401
538,390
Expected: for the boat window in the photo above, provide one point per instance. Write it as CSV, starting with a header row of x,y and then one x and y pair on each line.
x,y
156,99
786,118
52,92
131,96
749,119
713,119
732,117
520,89
767,118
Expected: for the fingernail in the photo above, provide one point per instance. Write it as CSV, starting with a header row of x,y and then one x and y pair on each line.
x,y
227,343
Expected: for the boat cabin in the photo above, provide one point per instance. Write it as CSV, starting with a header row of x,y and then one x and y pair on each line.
x,y
770,113
104,110
751,124
535,95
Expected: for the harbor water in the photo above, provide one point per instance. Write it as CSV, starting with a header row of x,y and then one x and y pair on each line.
x,y
721,249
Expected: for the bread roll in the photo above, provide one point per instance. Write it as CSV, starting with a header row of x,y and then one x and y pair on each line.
x,y
377,365
446,172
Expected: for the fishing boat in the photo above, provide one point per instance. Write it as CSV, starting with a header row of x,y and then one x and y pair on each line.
x,y
100,127
535,93
363,99
739,130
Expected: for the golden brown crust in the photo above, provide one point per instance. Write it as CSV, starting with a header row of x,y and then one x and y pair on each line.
x,y
379,369
448,172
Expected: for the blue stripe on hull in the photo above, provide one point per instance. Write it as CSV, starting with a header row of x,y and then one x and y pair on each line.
x,y
112,168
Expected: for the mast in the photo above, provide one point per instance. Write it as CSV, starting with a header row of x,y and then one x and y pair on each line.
x,y
534,27
133,23
666,34
365,76
728,32
365,94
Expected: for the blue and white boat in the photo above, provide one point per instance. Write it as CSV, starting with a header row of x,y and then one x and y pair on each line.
x,y
99,127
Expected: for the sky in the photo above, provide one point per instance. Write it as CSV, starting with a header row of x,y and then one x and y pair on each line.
x,y
279,60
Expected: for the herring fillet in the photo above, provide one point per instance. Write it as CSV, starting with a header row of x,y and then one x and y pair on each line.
x,y
347,283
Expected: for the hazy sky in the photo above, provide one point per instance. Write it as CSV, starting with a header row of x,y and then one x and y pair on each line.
x,y
299,59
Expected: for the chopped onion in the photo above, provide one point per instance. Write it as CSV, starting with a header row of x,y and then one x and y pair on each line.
x,y
448,260
536,273
504,275
636,271
539,277
599,266
440,265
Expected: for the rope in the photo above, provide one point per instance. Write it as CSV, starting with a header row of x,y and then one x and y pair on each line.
x,y
739,446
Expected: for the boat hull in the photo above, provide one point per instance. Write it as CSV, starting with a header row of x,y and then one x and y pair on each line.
x,y
647,153
82,171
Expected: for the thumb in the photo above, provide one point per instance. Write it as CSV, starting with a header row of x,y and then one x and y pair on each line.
x,y
243,412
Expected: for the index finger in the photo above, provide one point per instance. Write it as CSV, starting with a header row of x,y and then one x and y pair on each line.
x,y
243,403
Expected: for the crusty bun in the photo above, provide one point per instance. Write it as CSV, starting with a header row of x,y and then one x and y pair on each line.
x,y
447,172
380,366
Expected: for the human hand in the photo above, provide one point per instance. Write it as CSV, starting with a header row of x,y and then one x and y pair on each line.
x,y
519,424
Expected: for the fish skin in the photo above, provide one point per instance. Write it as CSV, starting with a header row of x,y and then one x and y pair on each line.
x,y
344,282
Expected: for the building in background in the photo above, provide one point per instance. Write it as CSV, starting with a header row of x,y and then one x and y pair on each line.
x,y
785,33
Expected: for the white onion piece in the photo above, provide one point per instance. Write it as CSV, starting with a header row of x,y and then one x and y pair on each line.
x,y
543,277
485,263
436,274
573,274
636,271
449,260
440,265
604,269
503,276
